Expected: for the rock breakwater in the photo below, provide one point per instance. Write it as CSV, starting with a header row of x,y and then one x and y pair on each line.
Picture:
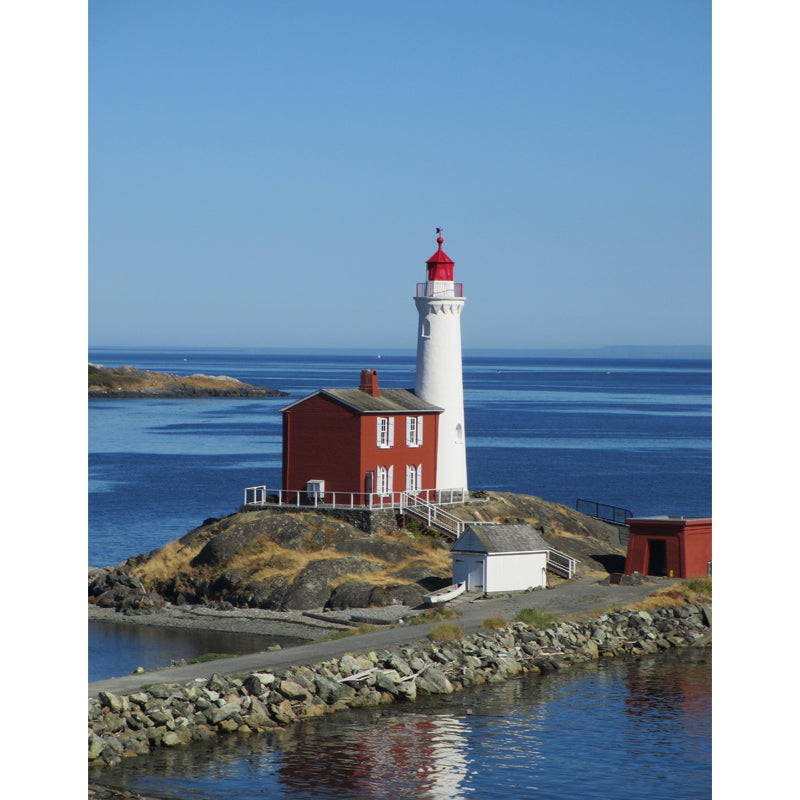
x,y
174,715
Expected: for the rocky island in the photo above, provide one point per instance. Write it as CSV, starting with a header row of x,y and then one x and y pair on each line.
x,y
293,563
130,382
290,559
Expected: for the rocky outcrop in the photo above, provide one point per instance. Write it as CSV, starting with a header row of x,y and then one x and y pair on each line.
x,y
175,715
292,559
129,382
274,561
117,588
594,543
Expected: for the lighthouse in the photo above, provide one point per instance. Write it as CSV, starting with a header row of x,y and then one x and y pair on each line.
x,y
439,380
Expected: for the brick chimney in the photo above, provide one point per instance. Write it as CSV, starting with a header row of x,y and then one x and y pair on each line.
x,y
369,382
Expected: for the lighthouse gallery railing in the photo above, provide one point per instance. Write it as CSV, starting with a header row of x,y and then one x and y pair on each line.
x,y
440,289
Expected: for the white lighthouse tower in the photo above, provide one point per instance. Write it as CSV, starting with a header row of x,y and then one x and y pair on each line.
x,y
439,381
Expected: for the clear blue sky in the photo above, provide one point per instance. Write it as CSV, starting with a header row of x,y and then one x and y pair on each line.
x,y
267,173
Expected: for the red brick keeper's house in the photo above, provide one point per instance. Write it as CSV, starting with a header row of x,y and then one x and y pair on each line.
x,y
360,446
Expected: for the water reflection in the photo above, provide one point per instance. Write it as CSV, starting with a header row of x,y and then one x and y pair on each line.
x,y
423,756
621,729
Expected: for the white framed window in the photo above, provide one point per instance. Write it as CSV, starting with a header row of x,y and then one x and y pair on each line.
x,y
385,432
413,478
384,480
414,431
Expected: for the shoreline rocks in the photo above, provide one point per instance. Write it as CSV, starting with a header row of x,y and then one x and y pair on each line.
x,y
175,715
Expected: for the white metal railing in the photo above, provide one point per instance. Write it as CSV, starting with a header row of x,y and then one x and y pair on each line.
x,y
561,563
425,505
432,514
262,496
443,289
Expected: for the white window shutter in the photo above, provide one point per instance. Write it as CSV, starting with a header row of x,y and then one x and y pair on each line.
x,y
381,487
391,431
378,420
390,480
419,430
419,477
408,431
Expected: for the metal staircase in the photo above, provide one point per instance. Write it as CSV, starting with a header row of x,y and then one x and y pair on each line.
x,y
432,515
451,526
561,564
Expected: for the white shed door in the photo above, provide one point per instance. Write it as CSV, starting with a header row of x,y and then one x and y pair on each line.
x,y
475,576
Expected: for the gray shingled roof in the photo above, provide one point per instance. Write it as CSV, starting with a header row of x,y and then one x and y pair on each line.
x,y
503,538
388,401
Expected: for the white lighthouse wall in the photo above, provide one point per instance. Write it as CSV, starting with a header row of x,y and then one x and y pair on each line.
x,y
439,381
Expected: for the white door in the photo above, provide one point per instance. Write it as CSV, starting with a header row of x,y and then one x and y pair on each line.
x,y
475,576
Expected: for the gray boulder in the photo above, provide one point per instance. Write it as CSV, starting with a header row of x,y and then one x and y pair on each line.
x,y
312,587
391,552
433,681
282,529
350,594
407,594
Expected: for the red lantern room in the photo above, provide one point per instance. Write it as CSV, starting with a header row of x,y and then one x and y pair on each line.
x,y
440,265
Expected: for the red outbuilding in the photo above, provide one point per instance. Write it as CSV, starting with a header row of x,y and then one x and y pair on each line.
x,y
666,546
360,446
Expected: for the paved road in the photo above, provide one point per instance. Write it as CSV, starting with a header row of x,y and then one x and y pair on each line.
x,y
581,596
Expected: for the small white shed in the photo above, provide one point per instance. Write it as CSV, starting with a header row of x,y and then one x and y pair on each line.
x,y
494,557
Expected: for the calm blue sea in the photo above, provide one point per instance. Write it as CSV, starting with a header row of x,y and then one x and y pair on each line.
x,y
630,433
615,729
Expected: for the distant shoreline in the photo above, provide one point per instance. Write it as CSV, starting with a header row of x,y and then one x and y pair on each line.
x,y
128,382
654,352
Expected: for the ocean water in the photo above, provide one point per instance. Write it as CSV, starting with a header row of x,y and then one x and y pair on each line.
x,y
625,729
630,433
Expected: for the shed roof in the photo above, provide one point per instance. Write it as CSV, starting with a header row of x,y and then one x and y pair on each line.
x,y
500,538
389,401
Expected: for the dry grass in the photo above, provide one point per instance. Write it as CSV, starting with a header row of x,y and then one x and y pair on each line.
x,y
536,618
365,627
435,614
696,591
493,623
264,560
172,559
446,632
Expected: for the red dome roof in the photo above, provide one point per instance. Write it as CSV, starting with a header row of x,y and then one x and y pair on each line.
x,y
440,265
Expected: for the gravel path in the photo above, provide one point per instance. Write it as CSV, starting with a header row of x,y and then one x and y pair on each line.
x,y
581,596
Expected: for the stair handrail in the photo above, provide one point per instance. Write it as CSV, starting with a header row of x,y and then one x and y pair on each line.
x,y
432,514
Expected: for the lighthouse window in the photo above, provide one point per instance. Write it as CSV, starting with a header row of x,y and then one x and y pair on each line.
x,y
426,327
459,433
